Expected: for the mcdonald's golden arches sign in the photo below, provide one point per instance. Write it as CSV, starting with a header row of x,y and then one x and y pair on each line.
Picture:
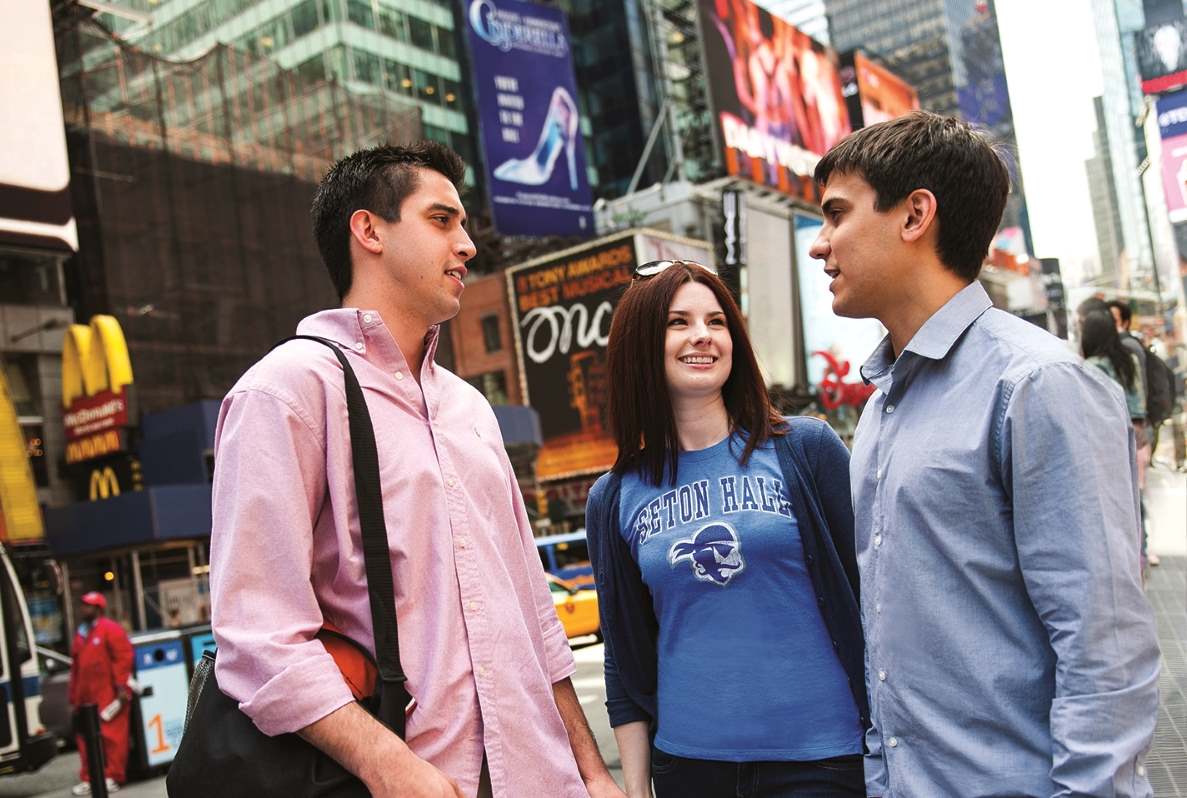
x,y
98,402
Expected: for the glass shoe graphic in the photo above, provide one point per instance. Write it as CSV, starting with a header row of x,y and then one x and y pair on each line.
x,y
559,133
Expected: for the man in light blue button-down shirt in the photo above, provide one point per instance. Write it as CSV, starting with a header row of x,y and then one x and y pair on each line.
x,y
1010,649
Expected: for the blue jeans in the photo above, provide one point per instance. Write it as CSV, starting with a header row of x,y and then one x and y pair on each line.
x,y
677,777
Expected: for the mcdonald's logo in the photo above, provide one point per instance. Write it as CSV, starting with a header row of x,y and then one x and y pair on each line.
x,y
104,484
96,378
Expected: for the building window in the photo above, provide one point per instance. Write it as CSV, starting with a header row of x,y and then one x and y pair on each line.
x,y
422,33
304,18
27,279
366,67
20,371
490,333
392,23
445,43
492,384
359,12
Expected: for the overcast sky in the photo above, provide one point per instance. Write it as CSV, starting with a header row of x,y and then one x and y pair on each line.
x,y
1053,68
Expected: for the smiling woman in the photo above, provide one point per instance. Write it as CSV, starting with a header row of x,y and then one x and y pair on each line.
x,y
709,526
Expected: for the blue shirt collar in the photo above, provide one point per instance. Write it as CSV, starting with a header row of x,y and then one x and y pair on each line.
x,y
934,340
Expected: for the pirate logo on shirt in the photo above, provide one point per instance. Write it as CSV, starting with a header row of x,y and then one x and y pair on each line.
x,y
714,552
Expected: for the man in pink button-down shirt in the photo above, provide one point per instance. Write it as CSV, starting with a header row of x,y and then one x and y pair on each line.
x,y
487,660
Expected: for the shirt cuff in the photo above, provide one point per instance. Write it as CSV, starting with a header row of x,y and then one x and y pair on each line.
x,y
299,695
622,711
559,653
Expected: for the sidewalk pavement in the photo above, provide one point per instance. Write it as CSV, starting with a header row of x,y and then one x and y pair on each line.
x,y
1166,507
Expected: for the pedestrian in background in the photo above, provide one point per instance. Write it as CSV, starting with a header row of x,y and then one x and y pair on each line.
x,y
100,669
487,660
722,546
1011,650
1136,396
1102,346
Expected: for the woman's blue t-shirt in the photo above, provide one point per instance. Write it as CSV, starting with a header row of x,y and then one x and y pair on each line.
x,y
747,669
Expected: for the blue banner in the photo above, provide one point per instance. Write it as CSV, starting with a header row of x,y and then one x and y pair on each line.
x,y
1172,114
527,108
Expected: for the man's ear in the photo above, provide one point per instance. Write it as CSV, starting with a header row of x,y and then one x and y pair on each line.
x,y
362,230
921,207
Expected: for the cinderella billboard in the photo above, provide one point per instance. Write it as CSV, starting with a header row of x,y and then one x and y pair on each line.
x,y
530,125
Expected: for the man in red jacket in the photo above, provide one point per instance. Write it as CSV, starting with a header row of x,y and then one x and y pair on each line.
x,y
99,675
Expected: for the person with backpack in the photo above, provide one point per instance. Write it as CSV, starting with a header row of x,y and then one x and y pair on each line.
x,y
1158,387
722,548
488,665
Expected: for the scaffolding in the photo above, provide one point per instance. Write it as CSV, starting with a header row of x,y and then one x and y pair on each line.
x,y
192,184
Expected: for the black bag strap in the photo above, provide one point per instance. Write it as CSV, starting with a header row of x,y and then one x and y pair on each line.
x,y
376,558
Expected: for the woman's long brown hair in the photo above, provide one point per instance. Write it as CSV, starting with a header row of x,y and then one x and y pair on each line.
x,y
640,407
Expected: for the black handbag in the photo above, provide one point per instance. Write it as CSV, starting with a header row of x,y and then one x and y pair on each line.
x,y
222,753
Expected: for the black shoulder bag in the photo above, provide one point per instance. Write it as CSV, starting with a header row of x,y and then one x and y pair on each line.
x,y
222,753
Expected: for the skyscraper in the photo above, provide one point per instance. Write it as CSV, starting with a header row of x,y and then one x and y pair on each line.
x,y
408,49
950,51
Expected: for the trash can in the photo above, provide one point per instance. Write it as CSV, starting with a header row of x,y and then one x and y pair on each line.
x,y
162,669
198,639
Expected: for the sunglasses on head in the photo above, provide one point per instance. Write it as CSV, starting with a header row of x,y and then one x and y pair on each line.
x,y
652,268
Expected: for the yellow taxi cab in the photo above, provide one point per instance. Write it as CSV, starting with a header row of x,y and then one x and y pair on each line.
x,y
577,607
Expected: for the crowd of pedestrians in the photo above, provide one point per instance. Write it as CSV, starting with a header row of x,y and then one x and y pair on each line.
x,y
955,609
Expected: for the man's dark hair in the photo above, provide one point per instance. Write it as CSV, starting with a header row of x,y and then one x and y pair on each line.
x,y
1123,309
948,157
377,179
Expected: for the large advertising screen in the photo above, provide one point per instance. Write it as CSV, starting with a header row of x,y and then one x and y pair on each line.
x,y
34,172
561,307
1172,127
845,343
775,94
1162,56
872,92
527,108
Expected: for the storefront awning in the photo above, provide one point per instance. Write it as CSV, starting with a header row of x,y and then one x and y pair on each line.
x,y
518,424
152,515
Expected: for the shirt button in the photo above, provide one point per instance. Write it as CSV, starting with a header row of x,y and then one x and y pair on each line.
x,y
1141,770
399,375
358,347
890,408
482,670
461,543
881,676
878,540
473,606
892,742
878,608
367,317
450,482
878,474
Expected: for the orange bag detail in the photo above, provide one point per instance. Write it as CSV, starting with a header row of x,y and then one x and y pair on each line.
x,y
357,667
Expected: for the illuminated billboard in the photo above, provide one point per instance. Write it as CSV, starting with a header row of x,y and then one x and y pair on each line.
x,y
775,94
1172,128
530,125
34,171
872,92
561,307
834,346
1162,56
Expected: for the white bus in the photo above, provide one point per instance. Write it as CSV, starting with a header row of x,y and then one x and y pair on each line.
x,y
25,744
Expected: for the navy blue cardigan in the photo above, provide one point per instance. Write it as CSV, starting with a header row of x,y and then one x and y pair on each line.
x,y
815,466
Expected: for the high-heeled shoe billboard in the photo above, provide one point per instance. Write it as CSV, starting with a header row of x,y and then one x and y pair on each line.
x,y
530,124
